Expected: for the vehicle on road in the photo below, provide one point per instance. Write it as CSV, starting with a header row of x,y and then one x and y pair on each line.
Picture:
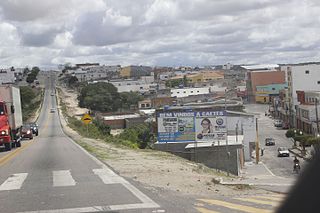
x,y
278,123
52,110
10,117
270,142
52,94
26,132
34,128
283,152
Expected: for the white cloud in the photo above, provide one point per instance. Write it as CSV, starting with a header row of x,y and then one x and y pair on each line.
x,y
158,32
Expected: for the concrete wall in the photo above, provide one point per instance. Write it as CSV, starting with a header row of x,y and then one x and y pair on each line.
x,y
217,157
247,127
214,157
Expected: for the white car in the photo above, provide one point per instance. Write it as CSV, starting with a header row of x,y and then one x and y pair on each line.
x,y
283,152
52,110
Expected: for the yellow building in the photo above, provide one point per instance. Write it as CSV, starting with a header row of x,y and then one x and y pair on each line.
x,y
205,76
135,71
125,72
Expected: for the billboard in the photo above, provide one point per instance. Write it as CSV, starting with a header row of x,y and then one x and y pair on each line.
x,y
210,126
191,126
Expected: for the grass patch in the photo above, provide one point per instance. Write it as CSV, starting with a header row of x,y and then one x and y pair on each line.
x,y
28,110
92,130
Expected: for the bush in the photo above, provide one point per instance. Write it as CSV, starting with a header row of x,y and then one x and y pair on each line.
x,y
140,135
103,128
290,133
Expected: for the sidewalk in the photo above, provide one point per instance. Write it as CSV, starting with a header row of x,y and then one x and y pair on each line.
x,y
299,152
259,175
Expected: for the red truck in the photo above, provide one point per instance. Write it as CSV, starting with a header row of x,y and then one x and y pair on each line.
x,y
10,117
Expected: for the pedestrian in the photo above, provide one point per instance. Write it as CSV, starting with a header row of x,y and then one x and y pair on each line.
x,y
262,150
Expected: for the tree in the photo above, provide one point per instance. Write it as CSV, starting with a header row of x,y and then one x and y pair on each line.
x,y
129,98
100,96
72,81
27,95
30,78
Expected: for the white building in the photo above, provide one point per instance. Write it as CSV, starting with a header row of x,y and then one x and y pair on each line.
x,y
7,76
185,92
142,85
302,78
94,72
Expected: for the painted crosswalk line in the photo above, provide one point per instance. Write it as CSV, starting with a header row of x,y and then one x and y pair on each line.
x,y
63,178
240,207
108,176
252,204
14,182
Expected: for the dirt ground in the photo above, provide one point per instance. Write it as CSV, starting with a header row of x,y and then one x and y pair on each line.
x,y
154,169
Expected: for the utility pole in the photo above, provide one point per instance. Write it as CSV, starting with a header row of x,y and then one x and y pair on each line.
x,y
257,143
227,145
317,118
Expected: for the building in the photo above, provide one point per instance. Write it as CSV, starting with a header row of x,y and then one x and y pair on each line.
x,y
144,85
91,73
87,65
184,92
7,76
201,77
266,93
300,77
135,71
262,78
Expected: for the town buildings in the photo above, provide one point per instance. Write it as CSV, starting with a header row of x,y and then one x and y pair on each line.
x,y
269,79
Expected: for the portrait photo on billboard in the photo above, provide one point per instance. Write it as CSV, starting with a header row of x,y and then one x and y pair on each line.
x,y
204,129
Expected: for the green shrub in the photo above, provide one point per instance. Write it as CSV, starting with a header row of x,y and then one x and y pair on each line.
x,y
290,133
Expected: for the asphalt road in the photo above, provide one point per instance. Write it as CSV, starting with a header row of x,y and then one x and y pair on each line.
x,y
280,166
51,173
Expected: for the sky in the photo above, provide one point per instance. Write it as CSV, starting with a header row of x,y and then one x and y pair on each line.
x,y
46,33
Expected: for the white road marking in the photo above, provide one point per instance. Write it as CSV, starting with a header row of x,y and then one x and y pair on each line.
x,y
147,202
268,169
14,182
108,176
96,208
63,178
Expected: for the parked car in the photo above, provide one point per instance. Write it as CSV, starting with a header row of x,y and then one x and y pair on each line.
x,y
52,110
34,128
270,142
26,132
278,123
283,152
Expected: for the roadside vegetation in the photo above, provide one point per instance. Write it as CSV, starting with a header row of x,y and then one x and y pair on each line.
x,y
104,97
137,137
32,76
303,139
31,99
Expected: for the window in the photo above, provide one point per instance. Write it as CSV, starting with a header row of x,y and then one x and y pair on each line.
x,y
184,91
273,88
307,71
198,91
147,105
141,87
178,92
143,105
318,82
191,91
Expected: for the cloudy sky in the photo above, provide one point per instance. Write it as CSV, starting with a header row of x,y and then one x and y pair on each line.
x,y
158,32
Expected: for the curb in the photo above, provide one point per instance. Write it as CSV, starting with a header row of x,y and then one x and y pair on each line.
x,y
297,154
